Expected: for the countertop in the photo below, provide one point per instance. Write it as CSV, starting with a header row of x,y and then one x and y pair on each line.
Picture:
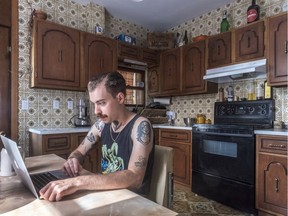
x,y
274,132
86,129
15,199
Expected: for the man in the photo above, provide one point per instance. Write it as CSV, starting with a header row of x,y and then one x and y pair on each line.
x,y
127,145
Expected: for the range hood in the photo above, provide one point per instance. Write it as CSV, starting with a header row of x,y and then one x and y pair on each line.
x,y
243,71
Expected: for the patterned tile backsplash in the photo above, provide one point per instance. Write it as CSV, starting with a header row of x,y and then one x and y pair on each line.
x,y
86,17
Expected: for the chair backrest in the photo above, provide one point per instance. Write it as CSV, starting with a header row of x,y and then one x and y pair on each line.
x,y
162,176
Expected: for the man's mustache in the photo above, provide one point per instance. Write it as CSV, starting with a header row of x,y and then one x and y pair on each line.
x,y
101,116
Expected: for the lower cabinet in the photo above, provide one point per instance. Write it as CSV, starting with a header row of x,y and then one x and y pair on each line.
x,y
180,141
62,145
271,175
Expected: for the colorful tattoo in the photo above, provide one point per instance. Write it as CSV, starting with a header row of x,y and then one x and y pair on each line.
x,y
141,162
144,133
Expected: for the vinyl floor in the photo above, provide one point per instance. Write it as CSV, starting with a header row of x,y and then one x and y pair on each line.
x,y
187,203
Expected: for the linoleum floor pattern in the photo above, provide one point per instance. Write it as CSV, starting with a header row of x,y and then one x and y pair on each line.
x,y
187,203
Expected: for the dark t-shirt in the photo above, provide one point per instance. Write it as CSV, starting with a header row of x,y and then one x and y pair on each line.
x,y
116,153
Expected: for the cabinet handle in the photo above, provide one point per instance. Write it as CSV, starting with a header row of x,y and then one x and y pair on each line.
x,y
277,146
286,48
60,55
276,185
173,135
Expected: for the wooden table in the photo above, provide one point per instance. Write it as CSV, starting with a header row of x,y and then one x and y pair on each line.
x,y
15,199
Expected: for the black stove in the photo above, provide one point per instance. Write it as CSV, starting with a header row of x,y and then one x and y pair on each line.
x,y
223,154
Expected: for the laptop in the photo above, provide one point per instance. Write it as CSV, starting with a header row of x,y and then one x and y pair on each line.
x,y
33,182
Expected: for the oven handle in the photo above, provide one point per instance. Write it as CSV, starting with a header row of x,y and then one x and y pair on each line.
x,y
225,134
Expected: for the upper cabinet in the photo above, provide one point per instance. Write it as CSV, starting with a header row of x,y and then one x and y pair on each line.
x,y
55,56
154,81
193,69
249,42
149,56
219,47
98,54
277,50
170,72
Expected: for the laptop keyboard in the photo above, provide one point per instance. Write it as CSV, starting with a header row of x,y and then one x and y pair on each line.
x,y
42,179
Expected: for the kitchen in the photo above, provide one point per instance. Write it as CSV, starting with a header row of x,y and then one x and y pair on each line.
x,y
41,112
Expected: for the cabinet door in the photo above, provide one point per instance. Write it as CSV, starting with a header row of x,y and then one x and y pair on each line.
x,y
93,158
272,183
151,57
170,72
59,144
249,42
99,55
153,81
193,68
55,52
128,51
278,49
181,161
219,48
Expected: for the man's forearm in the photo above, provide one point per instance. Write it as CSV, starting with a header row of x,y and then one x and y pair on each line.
x,y
78,155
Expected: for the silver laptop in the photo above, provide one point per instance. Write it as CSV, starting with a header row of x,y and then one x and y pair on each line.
x,y
33,182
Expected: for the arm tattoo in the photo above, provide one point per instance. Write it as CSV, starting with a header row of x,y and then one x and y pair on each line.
x,y
99,125
141,162
76,154
144,133
91,138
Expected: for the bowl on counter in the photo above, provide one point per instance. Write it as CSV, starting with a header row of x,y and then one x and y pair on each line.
x,y
189,121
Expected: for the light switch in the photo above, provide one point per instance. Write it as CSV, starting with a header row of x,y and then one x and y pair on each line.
x,y
25,105
70,104
55,104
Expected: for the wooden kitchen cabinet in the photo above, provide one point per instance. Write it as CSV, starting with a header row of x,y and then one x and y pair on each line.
x,y
170,72
62,145
249,42
55,56
99,55
219,50
129,51
277,50
181,142
154,81
151,57
193,69
271,175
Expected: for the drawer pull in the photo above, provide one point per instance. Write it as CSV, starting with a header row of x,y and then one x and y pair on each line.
x,y
276,185
277,146
174,136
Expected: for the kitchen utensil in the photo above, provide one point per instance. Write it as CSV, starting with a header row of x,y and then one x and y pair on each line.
x,y
189,121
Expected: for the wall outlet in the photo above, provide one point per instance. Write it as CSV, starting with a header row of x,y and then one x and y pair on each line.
x,y
55,104
25,105
70,104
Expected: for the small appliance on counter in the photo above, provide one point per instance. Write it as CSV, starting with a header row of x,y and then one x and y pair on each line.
x,y
171,115
81,119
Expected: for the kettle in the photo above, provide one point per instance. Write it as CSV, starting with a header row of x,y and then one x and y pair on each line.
x,y
6,168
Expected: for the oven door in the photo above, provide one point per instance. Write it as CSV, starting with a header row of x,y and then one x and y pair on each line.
x,y
225,155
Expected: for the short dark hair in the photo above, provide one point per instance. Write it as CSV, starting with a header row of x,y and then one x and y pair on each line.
x,y
113,81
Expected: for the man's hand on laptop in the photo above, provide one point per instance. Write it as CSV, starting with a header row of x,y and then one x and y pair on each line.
x,y
72,167
56,190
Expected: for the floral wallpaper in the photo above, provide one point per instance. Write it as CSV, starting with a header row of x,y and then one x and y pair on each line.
x,y
85,17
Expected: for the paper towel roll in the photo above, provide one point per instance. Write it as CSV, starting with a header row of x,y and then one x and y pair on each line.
x,y
164,101
6,166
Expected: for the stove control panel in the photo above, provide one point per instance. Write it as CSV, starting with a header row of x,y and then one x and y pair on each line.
x,y
259,111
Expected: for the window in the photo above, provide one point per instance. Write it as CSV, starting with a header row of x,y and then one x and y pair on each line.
x,y
135,86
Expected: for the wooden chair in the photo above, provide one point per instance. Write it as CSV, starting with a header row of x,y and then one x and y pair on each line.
x,y
161,189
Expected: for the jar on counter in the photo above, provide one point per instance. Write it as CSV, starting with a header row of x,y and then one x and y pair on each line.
x,y
201,119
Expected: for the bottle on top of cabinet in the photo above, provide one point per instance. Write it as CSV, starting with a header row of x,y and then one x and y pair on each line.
x,y
224,26
185,38
253,12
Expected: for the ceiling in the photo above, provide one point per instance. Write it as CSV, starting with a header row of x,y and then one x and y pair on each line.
x,y
158,15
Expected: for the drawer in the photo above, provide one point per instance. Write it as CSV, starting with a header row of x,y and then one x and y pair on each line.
x,y
272,144
56,143
176,135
